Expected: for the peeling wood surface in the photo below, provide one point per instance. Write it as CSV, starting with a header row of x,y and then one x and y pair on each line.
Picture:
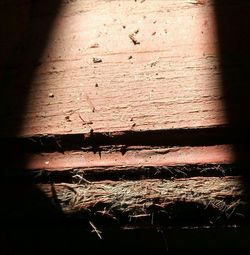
x,y
171,79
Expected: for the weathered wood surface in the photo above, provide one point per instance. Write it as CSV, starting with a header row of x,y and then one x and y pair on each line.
x,y
141,199
160,72
113,158
171,79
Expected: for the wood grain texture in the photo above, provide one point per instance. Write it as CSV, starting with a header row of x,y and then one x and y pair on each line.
x,y
122,102
113,158
170,79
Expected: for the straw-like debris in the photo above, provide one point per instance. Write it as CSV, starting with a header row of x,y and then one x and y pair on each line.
x,y
136,198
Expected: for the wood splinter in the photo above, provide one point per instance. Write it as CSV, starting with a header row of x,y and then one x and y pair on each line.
x,y
98,232
133,39
83,121
90,103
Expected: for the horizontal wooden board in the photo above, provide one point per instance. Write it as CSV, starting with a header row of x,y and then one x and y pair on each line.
x,y
169,79
114,158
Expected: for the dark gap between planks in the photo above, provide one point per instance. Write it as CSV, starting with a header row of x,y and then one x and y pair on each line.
x,y
173,137
84,175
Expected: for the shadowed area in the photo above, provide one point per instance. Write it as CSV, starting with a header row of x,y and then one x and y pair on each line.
x,y
233,23
25,214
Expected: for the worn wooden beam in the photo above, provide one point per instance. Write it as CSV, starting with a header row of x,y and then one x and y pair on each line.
x,y
92,77
114,162
114,157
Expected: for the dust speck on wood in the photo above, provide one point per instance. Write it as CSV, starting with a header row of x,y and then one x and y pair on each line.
x,y
198,2
97,60
67,118
94,45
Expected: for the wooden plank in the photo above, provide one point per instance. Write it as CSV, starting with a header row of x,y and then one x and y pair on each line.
x,y
113,158
139,200
170,80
